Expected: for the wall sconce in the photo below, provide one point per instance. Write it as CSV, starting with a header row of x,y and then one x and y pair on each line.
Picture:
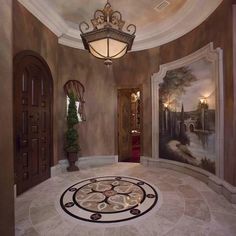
x,y
166,105
203,101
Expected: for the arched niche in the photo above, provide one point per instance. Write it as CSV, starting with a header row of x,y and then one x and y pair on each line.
x,y
77,89
214,58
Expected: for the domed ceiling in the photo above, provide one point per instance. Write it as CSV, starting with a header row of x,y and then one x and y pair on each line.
x,y
157,21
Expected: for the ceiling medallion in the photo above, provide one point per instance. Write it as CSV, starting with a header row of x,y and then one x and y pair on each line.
x,y
107,40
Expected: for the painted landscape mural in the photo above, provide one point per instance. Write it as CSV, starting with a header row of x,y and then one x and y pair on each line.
x,y
187,115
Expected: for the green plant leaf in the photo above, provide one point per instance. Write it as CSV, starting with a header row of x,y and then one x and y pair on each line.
x,y
72,133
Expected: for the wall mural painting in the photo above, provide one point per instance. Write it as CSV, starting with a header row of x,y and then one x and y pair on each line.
x,y
187,115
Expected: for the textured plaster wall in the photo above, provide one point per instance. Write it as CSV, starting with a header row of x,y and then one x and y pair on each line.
x,y
6,145
234,76
135,70
218,29
96,135
31,34
234,45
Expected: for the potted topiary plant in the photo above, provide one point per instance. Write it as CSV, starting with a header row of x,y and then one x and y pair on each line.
x,y
72,146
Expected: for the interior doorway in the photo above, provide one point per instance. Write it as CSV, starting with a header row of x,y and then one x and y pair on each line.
x,y
32,120
129,124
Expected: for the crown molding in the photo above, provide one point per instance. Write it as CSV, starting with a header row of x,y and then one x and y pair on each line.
x,y
153,35
46,15
70,42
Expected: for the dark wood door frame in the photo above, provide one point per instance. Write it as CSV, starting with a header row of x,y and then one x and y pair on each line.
x,y
140,88
18,58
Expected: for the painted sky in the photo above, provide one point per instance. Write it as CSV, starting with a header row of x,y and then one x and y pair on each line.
x,y
203,87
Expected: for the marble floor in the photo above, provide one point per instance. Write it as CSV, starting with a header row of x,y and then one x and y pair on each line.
x,y
189,207
109,199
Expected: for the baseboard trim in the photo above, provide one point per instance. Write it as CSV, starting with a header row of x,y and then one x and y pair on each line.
x,y
218,185
84,163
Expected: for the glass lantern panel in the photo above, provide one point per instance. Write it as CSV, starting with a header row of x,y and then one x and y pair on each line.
x,y
116,48
99,48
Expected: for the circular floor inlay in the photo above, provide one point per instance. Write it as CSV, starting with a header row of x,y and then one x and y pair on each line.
x,y
109,199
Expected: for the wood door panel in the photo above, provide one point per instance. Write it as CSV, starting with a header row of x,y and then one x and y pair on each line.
x,y
24,101
43,153
35,157
34,129
44,122
25,177
129,120
43,104
43,140
24,123
24,143
25,160
32,121
34,91
24,81
124,125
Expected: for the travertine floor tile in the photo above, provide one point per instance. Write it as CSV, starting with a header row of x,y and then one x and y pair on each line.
x,y
188,207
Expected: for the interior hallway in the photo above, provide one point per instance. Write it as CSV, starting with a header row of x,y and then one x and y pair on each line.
x,y
189,206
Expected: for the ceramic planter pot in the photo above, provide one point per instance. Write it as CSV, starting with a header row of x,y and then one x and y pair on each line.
x,y
72,158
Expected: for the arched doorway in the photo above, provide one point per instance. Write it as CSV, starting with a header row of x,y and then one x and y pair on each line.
x,y
191,128
129,127
33,101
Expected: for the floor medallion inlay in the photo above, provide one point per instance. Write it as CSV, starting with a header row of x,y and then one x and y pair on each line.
x,y
109,199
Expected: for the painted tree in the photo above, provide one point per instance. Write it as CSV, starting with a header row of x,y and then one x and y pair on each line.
x,y
174,85
72,133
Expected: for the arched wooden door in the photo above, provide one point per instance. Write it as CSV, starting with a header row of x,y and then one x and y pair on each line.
x,y
33,94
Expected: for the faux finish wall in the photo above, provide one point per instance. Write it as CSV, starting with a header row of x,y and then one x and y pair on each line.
x,y
234,75
6,145
30,34
218,29
234,47
96,135
137,68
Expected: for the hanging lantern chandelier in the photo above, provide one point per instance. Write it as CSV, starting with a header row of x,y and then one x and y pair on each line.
x,y
107,40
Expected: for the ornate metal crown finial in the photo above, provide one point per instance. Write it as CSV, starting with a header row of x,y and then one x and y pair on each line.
x,y
107,18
